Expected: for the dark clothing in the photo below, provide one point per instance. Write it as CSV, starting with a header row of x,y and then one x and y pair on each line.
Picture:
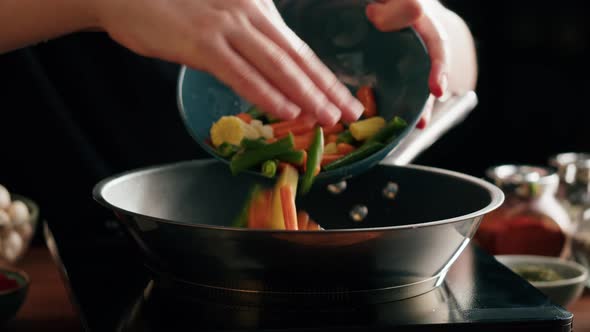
x,y
78,109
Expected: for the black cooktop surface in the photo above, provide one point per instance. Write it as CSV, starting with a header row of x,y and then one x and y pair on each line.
x,y
113,292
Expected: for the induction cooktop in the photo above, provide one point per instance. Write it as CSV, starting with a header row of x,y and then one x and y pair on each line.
x,y
112,291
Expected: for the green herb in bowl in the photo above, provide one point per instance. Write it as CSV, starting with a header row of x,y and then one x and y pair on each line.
x,y
537,273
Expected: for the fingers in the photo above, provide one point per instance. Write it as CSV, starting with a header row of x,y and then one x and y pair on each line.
x,y
426,113
273,27
391,15
435,39
280,69
249,83
394,15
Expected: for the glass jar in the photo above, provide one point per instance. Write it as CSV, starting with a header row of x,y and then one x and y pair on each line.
x,y
577,198
531,221
573,192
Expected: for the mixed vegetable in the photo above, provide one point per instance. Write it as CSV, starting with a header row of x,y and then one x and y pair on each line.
x,y
274,208
255,140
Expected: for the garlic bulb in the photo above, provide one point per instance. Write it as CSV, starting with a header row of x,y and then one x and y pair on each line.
x,y
18,212
4,197
4,219
12,246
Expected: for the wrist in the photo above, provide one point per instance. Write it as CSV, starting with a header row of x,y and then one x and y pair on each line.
x,y
85,14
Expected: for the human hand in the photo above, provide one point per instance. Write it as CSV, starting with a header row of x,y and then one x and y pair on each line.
x,y
392,15
244,43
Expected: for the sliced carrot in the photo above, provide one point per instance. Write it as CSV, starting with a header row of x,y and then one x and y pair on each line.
x,y
332,138
289,209
303,120
271,140
366,96
302,220
283,124
328,158
302,142
282,166
312,226
345,148
335,129
304,164
297,129
253,214
256,213
245,117
266,209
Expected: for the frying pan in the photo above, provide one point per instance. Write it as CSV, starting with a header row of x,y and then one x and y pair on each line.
x,y
181,214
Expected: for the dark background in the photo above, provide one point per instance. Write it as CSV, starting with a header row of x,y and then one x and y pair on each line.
x,y
80,108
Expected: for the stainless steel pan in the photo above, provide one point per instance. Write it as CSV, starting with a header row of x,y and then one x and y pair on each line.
x,y
180,216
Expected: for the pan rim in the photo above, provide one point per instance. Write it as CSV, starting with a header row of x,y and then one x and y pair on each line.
x,y
496,199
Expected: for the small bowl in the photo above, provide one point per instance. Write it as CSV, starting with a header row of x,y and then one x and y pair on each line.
x,y
563,291
395,64
11,300
16,239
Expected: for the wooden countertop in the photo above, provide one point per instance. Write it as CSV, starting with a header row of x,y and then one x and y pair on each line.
x,y
48,308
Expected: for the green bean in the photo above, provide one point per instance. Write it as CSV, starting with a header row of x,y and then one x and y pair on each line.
x,y
292,157
269,168
314,158
250,158
248,143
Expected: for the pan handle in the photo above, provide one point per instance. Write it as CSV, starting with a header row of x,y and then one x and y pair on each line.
x,y
446,114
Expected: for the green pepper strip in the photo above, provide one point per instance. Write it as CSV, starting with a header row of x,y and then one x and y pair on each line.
x,y
314,158
361,153
269,168
242,219
227,150
390,131
250,158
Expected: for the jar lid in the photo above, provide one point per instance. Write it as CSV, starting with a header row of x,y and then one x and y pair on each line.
x,y
572,167
563,159
524,180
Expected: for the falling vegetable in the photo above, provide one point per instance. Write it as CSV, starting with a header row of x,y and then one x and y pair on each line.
x,y
289,209
249,158
314,158
289,177
269,168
